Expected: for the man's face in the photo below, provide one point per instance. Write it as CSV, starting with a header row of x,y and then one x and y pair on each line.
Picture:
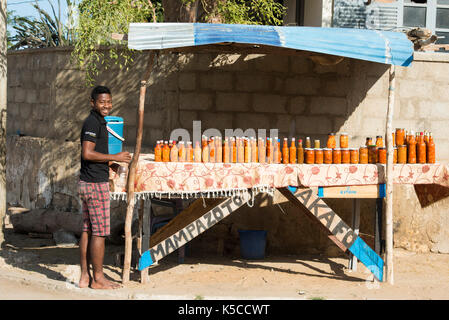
x,y
103,104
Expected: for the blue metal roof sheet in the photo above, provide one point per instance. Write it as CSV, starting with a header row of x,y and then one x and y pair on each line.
x,y
379,46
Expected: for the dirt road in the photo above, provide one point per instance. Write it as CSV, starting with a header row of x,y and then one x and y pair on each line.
x,y
36,269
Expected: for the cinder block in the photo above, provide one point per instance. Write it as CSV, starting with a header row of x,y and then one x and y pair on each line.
x,y
297,105
272,63
253,120
186,119
232,101
195,101
302,85
300,65
269,103
217,81
313,124
254,82
218,120
328,105
187,81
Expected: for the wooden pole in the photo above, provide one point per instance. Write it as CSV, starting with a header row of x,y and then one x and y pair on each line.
x,y
389,180
132,172
3,102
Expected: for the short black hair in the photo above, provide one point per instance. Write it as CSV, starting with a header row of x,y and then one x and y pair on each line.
x,y
99,90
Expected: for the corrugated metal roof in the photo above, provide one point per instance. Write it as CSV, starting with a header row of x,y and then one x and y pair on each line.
x,y
379,46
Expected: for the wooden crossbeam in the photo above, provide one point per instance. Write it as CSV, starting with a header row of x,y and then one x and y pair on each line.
x,y
187,225
342,234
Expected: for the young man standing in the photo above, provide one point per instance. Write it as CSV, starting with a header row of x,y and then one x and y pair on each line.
x,y
94,189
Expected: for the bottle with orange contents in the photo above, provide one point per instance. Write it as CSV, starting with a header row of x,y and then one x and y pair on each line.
x,y
182,155
166,152
247,150
421,149
232,151
278,153
189,151
285,151
300,152
240,150
292,155
174,153
254,152
411,148
226,150
269,147
262,151
379,142
212,150
197,152
219,150
158,152
205,151
430,150
331,141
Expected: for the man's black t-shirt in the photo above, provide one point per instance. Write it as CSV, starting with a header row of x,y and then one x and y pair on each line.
x,y
94,130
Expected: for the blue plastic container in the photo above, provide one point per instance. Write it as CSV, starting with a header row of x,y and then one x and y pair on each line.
x,y
116,137
252,244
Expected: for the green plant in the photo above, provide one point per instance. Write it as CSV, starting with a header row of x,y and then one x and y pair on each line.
x,y
45,31
98,19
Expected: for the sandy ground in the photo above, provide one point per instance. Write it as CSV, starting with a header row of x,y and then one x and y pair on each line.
x,y
36,269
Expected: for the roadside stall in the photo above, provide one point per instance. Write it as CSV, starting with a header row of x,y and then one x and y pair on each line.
x,y
222,186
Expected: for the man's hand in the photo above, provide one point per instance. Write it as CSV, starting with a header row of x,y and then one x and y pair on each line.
x,y
123,157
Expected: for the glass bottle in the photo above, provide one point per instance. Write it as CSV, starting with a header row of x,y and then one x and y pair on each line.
x,y
158,152
262,151
327,155
369,141
308,143
182,152
292,155
212,150
382,155
165,152
174,152
197,152
411,149
317,144
240,150
331,141
400,136
421,149
247,150
219,150
431,150
285,151
354,155
300,150
319,156
402,154
254,152
363,155
344,140
226,150
336,155
310,155
379,141
205,151
345,156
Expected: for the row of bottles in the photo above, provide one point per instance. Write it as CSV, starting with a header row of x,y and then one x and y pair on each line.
x,y
250,149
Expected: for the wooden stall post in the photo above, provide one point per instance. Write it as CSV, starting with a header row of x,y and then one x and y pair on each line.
x,y
132,172
389,180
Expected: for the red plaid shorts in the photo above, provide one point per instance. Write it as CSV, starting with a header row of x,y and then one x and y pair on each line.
x,y
96,203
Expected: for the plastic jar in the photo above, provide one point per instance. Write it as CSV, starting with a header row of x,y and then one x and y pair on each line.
x,y
354,152
327,153
345,156
310,156
336,155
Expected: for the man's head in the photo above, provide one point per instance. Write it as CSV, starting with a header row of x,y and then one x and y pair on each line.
x,y
101,100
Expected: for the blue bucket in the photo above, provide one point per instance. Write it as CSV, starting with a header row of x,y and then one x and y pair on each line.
x,y
115,134
252,244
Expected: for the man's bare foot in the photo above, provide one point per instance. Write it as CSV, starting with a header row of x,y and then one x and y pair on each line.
x,y
84,281
103,283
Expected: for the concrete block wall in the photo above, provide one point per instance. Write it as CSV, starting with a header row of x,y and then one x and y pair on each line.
x,y
47,98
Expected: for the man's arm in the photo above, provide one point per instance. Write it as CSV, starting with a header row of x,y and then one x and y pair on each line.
x,y
88,153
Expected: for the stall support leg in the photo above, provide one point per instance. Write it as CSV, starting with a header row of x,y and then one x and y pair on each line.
x,y
355,226
378,246
146,229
